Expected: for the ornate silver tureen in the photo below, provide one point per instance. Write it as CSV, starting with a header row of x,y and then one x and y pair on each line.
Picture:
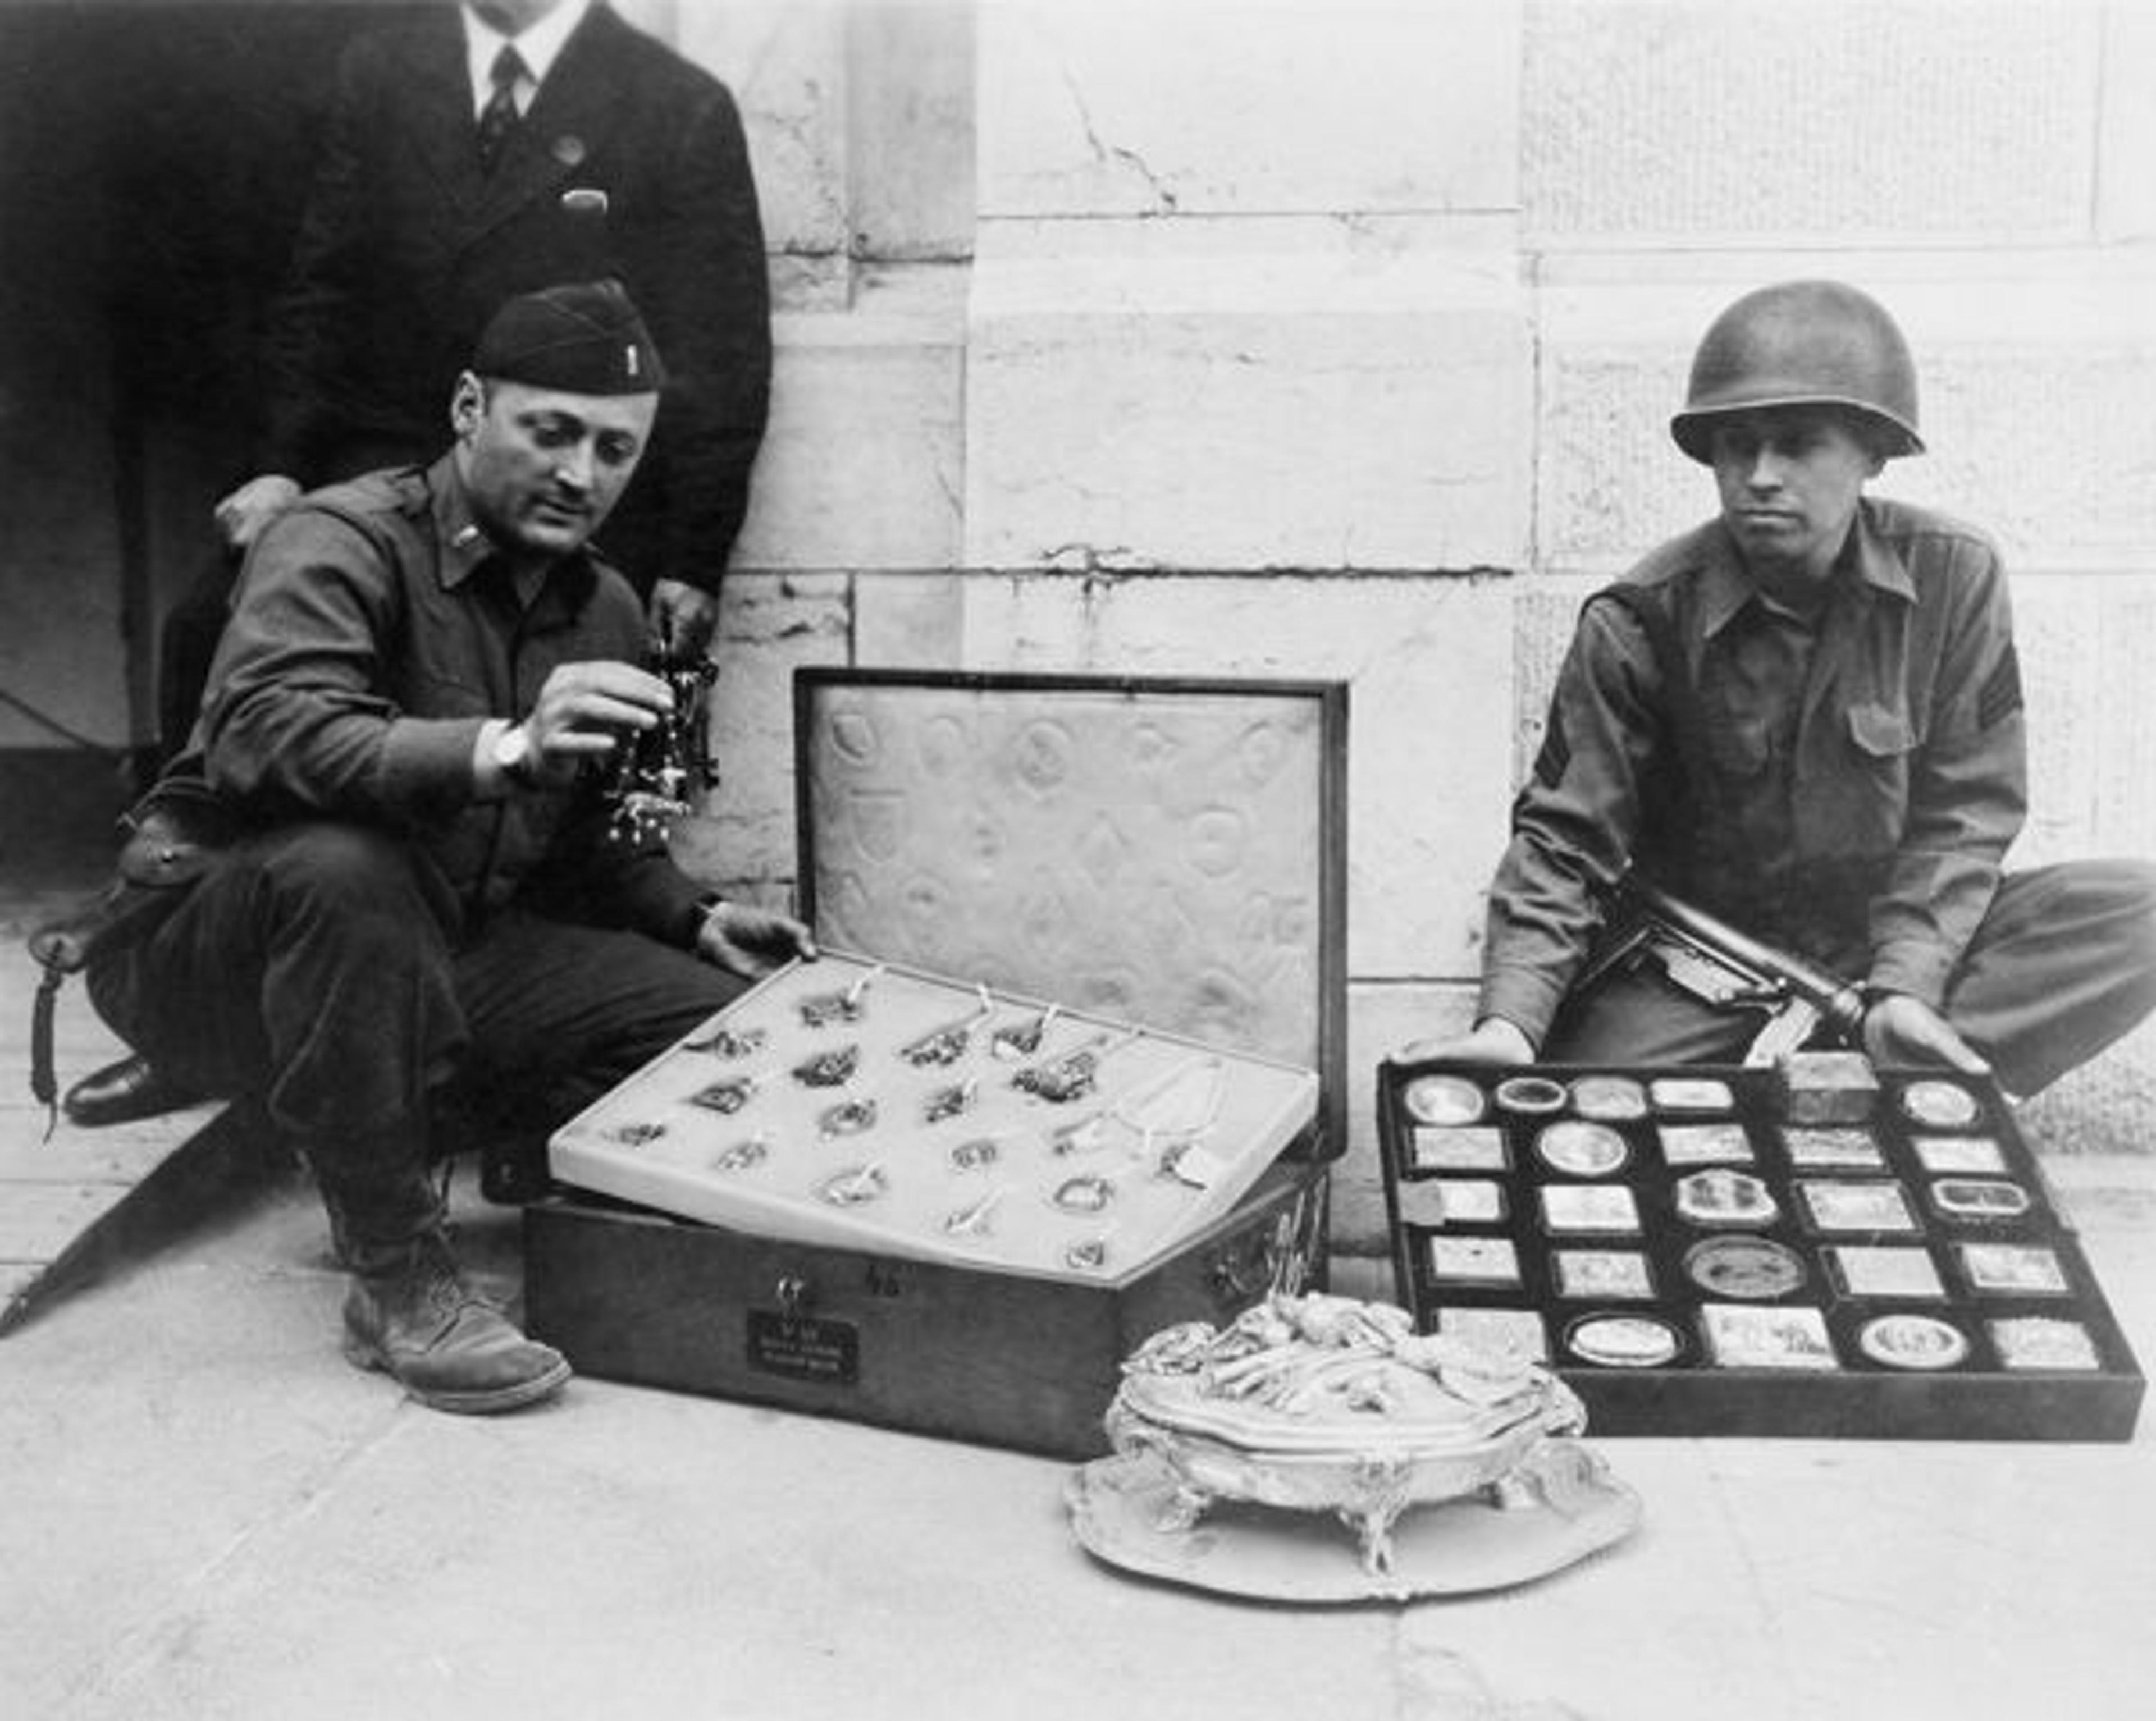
x,y
1325,1403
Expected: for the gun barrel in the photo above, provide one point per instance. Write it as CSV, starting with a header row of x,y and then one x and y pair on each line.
x,y
1838,1003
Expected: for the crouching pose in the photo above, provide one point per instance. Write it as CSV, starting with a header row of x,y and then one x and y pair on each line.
x,y
1805,718
422,884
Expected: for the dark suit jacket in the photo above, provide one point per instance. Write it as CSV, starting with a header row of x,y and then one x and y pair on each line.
x,y
405,250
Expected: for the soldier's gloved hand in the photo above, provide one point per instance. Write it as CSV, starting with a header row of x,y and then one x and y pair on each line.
x,y
683,617
1493,1040
749,941
580,708
1901,1029
242,515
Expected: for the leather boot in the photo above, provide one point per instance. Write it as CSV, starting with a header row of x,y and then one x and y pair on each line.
x,y
412,1313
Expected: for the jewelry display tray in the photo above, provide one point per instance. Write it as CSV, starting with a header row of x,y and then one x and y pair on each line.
x,y
1159,854
1995,1326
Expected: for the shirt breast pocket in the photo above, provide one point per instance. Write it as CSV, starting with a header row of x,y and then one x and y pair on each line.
x,y
1860,805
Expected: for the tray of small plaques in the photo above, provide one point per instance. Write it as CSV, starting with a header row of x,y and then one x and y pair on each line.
x,y
1814,1250
1070,1069
859,1104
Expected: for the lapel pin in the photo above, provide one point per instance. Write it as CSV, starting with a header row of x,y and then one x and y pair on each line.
x,y
568,149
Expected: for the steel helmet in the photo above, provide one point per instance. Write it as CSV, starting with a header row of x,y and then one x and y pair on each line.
x,y
1802,343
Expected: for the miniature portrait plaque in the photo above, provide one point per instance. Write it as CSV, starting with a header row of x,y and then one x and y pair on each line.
x,y
1812,1149
1691,1093
1444,1099
2013,1268
1518,1331
2038,1343
1609,1099
1590,1206
1856,1206
1721,1197
1704,1145
1755,1268
1939,1105
1980,1200
1748,1335
1624,1341
1884,1272
1470,1201
1912,1341
1476,1260
1456,1149
1618,1274
1945,1155
1582,1150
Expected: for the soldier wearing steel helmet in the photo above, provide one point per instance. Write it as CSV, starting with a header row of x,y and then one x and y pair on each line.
x,y
1805,717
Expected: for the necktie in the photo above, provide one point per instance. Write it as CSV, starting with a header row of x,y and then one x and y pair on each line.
x,y
498,119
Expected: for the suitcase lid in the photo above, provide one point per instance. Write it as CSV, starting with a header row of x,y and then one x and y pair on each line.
x,y
1169,850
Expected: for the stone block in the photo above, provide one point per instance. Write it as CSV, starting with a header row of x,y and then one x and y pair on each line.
x,y
2126,177
742,841
1287,393
2018,358
1904,121
1173,108
911,87
786,65
910,620
860,464
1429,667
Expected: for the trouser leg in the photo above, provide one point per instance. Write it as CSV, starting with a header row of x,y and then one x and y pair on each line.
x,y
1634,1017
2063,964
560,1013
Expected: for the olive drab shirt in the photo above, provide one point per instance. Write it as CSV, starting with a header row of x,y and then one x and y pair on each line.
x,y
1866,764
374,634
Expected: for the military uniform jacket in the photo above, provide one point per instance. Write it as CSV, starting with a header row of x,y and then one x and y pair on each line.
x,y
1866,770
374,634
405,250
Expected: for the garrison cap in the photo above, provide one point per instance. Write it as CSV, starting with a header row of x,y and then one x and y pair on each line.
x,y
583,338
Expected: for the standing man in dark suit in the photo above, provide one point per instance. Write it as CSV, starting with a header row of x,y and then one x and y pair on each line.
x,y
493,148
498,148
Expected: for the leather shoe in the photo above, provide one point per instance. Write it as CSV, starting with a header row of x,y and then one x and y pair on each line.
x,y
121,1093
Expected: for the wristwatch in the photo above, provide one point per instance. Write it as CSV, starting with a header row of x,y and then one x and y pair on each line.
x,y
512,756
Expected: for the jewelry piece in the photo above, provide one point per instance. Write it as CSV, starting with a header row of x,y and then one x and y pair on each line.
x,y
849,1117
636,1135
1089,1194
949,1102
647,779
1089,1255
743,1155
1086,1135
1072,1075
947,1044
727,1097
826,1007
725,1042
854,1186
977,1155
971,1220
829,1069
1021,1039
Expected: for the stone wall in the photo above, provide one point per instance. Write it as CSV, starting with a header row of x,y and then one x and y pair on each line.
x,y
1339,340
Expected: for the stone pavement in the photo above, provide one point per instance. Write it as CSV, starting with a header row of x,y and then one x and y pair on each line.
x,y
209,1515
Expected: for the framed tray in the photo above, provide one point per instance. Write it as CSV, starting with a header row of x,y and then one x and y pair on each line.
x,y
1693,1259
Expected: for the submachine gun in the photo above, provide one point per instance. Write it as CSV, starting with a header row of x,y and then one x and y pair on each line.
x,y
1730,969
